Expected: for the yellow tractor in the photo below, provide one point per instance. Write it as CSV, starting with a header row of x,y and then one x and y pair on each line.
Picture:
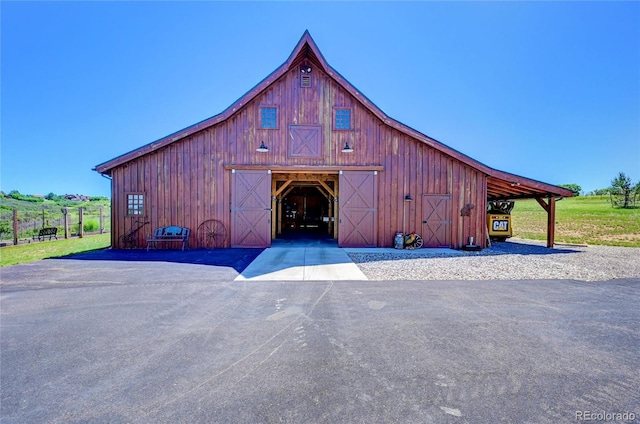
x,y
499,219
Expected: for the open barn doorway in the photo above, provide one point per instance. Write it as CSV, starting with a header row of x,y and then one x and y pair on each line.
x,y
305,207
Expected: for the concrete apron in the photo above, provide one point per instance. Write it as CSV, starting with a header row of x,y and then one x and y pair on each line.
x,y
301,264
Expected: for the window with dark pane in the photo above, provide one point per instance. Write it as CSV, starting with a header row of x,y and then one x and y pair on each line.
x,y
135,204
269,117
343,119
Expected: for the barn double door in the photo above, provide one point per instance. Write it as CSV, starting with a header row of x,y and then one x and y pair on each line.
x,y
250,208
358,209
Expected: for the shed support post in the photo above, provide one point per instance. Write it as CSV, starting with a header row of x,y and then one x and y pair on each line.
x,y
551,218
551,222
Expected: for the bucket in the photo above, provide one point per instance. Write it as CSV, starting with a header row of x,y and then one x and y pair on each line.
x,y
398,241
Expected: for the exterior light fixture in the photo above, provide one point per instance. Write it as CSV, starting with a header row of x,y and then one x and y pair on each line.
x,y
262,148
347,148
306,69
408,198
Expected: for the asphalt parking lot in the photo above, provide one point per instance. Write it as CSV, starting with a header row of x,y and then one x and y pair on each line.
x,y
119,339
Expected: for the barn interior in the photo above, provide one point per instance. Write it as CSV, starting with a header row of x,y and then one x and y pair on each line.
x,y
305,209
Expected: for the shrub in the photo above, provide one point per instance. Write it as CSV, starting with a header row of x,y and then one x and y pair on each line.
x,y
575,188
5,228
90,225
98,199
15,194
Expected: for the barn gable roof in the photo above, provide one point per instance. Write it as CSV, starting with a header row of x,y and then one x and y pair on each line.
x,y
500,185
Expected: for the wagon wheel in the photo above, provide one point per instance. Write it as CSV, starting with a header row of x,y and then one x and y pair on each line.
x,y
212,233
418,242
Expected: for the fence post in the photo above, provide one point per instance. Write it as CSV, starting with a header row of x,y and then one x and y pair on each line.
x,y
15,227
101,221
80,229
65,213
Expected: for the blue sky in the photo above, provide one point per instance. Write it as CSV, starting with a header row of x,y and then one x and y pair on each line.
x,y
546,90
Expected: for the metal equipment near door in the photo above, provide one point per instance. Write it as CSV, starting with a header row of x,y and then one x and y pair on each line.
x,y
499,219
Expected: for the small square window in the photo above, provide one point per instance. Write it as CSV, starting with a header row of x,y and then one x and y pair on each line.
x,y
343,119
135,204
269,117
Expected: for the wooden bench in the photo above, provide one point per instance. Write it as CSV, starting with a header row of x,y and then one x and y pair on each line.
x,y
46,232
169,234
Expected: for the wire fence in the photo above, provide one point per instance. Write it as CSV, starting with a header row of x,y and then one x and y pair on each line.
x,y
19,227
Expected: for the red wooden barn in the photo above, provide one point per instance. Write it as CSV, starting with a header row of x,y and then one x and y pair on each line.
x,y
305,152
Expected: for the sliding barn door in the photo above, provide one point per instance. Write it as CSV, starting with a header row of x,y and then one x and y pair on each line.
x,y
250,208
358,209
436,224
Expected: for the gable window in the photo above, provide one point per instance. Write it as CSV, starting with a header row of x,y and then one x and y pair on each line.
x,y
342,119
135,204
269,117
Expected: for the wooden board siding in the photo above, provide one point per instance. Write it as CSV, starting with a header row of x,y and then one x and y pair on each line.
x,y
189,181
415,169
182,184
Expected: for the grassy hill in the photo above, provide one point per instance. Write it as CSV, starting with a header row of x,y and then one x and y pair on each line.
x,y
35,205
35,212
581,220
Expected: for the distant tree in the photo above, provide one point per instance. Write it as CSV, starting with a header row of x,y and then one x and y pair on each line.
x,y
15,194
52,196
623,192
98,198
573,187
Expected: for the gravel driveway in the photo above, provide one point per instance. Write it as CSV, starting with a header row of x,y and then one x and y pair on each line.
x,y
512,260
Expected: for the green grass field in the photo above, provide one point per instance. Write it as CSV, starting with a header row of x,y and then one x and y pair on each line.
x,y
13,255
579,220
